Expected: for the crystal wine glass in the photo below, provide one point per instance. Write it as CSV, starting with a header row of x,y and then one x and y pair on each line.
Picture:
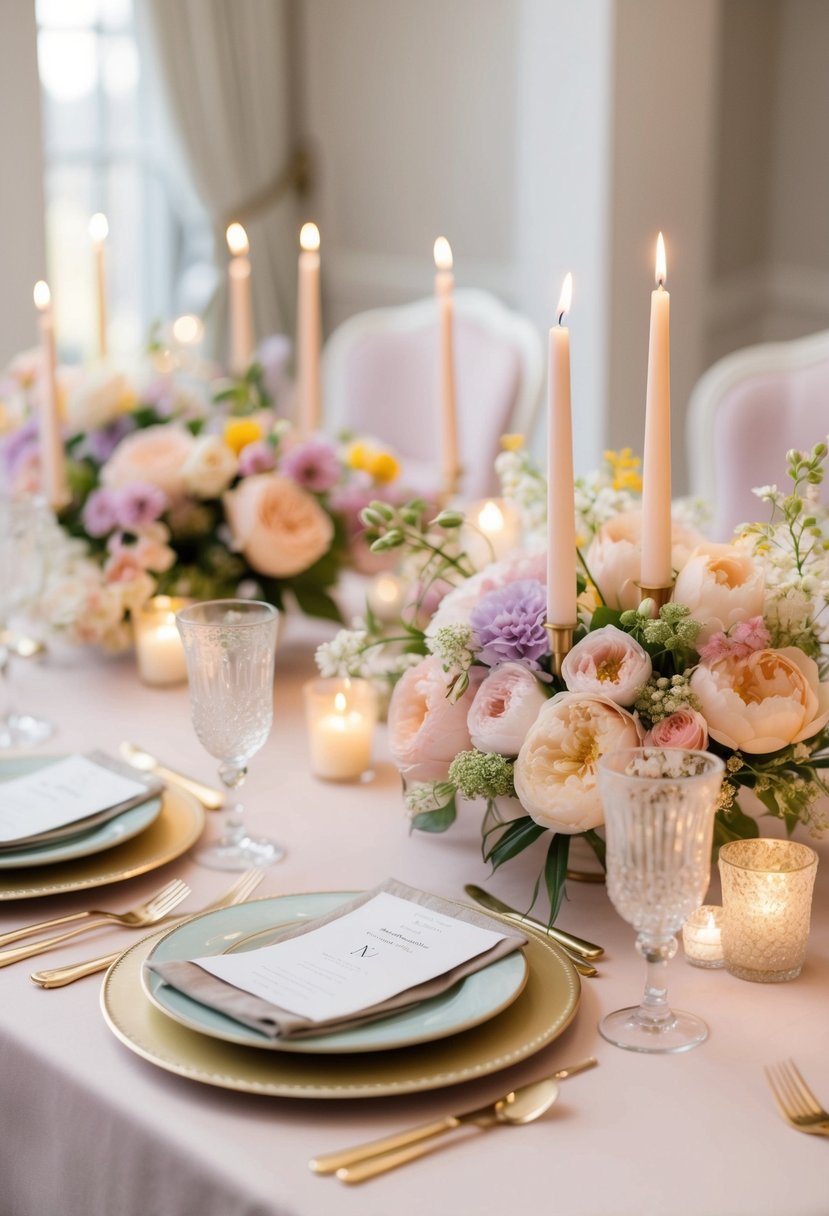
x,y
24,522
659,810
230,647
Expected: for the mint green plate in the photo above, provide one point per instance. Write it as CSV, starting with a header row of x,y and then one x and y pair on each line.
x,y
105,836
249,926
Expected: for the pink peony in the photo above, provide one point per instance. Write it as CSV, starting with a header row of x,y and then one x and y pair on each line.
x,y
609,663
505,707
685,728
278,526
764,702
615,557
156,454
426,730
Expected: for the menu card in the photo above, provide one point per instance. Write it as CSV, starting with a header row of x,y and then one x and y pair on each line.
x,y
384,947
65,792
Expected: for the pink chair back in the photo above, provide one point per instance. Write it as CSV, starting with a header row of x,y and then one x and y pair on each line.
x,y
382,378
744,415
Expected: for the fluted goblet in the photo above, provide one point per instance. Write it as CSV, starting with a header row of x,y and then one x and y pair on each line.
x,y
230,646
659,807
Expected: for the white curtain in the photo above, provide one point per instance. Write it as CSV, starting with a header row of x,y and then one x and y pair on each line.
x,y
225,67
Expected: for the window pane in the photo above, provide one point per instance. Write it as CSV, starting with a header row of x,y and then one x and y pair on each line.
x,y
120,73
126,269
66,14
71,192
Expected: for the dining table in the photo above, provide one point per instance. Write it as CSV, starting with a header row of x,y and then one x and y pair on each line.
x,y
89,1127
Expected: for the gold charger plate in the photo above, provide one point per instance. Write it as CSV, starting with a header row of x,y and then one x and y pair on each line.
x,y
178,826
544,1009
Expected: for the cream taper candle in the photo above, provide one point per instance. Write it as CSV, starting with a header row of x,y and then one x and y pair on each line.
x,y
52,460
309,330
242,340
657,569
98,232
444,286
561,521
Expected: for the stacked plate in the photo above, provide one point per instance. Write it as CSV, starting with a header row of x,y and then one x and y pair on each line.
x,y
490,1020
148,832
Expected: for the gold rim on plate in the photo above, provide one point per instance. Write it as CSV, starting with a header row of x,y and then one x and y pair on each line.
x,y
543,1011
178,826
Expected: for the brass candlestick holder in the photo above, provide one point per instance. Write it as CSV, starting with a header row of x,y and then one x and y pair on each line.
x,y
561,642
659,595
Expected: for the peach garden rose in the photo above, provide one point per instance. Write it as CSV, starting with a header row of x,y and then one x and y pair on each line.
x,y
426,729
155,455
609,663
764,702
555,773
683,728
615,556
721,586
279,528
505,707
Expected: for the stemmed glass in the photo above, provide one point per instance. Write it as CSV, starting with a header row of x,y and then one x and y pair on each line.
x,y
230,647
659,810
23,523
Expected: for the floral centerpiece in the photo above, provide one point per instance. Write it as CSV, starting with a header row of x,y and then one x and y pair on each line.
x,y
192,486
735,663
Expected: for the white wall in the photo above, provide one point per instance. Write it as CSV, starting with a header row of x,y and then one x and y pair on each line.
x,y
22,248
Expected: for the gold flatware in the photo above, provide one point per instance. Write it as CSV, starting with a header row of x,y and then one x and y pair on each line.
x,y
59,977
578,945
520,1106
209,797
148,913
795,1100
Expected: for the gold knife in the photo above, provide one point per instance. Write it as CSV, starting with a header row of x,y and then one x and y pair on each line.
x,y
577,945
147,763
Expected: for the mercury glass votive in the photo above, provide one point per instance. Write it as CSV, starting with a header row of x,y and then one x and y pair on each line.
x,y
341,715
767,900
702,937
158,646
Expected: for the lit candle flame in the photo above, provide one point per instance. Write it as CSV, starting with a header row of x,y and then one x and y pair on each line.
x,y
443,254
661,264
42,295
340,703
237,240
309,238
188,330
99,227
566,297
490,517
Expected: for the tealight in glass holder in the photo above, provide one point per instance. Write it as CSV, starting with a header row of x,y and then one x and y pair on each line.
x,y
341,716
158,647
702,937
767,900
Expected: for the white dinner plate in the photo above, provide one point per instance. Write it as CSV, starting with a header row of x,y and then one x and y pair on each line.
x,y
84,844
249,926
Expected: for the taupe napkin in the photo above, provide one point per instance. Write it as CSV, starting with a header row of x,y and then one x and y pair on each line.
x,y
278,1023
152,787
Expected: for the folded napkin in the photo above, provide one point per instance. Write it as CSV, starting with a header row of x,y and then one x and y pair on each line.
x,y
278,1023
144,785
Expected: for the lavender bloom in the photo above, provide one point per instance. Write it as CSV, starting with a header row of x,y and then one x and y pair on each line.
x,y
138,504
314,465
18,446
509,624
256,457
101,443
100,512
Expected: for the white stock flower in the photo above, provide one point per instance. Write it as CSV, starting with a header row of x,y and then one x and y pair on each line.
x,y
210,467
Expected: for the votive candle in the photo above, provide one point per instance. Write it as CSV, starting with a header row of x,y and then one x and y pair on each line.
x,y
702,937
767,899
341,715
158,646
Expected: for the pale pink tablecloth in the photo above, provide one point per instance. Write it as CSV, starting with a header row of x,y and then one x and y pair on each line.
x,y
89,1129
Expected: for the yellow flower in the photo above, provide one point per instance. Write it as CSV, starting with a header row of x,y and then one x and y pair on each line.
x,y
624,470
239,432
512,443
357,455
382,466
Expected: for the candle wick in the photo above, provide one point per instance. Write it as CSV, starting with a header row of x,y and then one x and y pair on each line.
x,y
561,316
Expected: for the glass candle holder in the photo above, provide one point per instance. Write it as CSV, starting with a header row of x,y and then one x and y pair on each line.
x,y
341,716
767,899
158,647
702,937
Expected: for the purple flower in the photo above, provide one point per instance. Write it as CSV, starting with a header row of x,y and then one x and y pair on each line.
x,y
18,446
100,512
314,465
100,444
138,504
274,355
509,624
256,457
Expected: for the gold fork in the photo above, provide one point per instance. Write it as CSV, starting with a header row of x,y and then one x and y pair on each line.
x,y
795,1100
148,913
59,977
